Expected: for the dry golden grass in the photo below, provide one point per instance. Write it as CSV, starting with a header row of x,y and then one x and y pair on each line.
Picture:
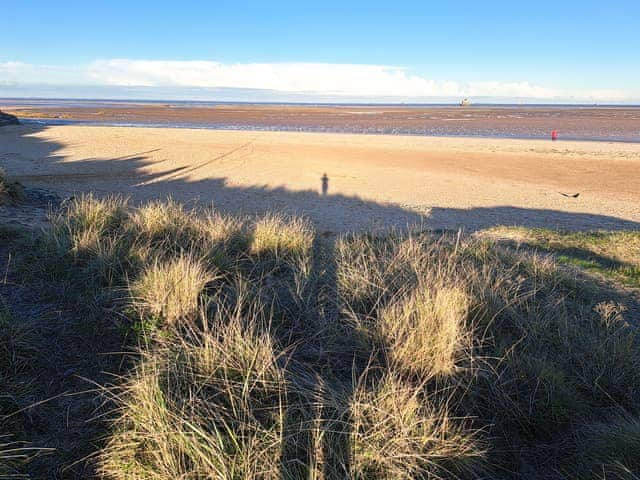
x,y
215,408
224,231
424,333
85,221
160,222
170,290
397,432
279,236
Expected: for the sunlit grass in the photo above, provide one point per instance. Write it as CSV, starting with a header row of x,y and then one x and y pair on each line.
x,y
170,290
424,332
614,255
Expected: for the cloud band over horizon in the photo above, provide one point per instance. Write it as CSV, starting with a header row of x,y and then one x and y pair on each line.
x,y
321,79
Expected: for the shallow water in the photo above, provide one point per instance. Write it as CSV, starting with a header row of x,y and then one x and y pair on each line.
x,y
594,123
431,132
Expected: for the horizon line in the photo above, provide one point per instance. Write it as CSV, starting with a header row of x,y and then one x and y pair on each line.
x,y
521,103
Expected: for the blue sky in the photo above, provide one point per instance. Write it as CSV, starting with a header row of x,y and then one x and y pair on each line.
x,y
555,51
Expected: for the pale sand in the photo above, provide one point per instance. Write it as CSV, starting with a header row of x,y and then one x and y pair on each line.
x,y
374,181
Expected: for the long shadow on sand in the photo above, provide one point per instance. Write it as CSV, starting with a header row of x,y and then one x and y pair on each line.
x,y
128,175
331,213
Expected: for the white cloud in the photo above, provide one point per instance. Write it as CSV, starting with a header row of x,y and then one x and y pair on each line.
x,y
511,89
326,78
308,78
20,73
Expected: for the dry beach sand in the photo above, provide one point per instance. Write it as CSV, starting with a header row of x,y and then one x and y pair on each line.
x,y
374,181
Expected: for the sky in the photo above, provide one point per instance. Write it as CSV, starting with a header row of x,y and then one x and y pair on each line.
x,y
539,51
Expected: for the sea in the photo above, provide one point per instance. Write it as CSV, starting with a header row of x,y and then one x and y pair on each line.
x,y
610,123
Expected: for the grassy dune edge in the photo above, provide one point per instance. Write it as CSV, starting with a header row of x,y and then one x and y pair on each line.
x,y
264,351
10,192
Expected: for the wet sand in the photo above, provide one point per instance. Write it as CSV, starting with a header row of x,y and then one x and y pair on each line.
x,y
573,123
373,181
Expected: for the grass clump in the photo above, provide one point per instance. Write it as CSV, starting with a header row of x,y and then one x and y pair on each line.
x,y
224,231
85,244
80,228
165,226
424,333
278,236
224,241
170,290
10,192
397,432
212,405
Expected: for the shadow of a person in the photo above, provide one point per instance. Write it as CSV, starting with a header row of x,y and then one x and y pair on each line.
x,y
325,184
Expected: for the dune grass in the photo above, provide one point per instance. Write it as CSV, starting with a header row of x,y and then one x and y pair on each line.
x,y
212,405
170,291
608,449
281,237
10,192
415,356
425,333
614,255
16,351
399,431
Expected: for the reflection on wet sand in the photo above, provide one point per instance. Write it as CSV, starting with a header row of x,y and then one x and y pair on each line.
x,y
587,123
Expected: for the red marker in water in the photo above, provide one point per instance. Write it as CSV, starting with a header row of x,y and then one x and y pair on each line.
x,y
554,134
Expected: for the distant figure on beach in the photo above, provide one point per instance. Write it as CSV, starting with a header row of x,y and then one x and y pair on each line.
x,y
554,135
325,184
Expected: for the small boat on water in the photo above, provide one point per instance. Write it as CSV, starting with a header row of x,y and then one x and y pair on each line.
x,y
465,102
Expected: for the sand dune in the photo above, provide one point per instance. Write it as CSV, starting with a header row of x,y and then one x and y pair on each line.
x,y
373,181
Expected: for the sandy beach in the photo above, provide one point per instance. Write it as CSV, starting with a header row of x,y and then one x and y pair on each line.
x,y
372,181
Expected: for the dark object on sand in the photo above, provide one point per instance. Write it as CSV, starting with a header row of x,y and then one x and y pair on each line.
x,y
325,184
8,119
570,195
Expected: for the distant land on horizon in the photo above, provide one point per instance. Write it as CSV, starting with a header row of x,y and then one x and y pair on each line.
x,y
481,102
259,96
